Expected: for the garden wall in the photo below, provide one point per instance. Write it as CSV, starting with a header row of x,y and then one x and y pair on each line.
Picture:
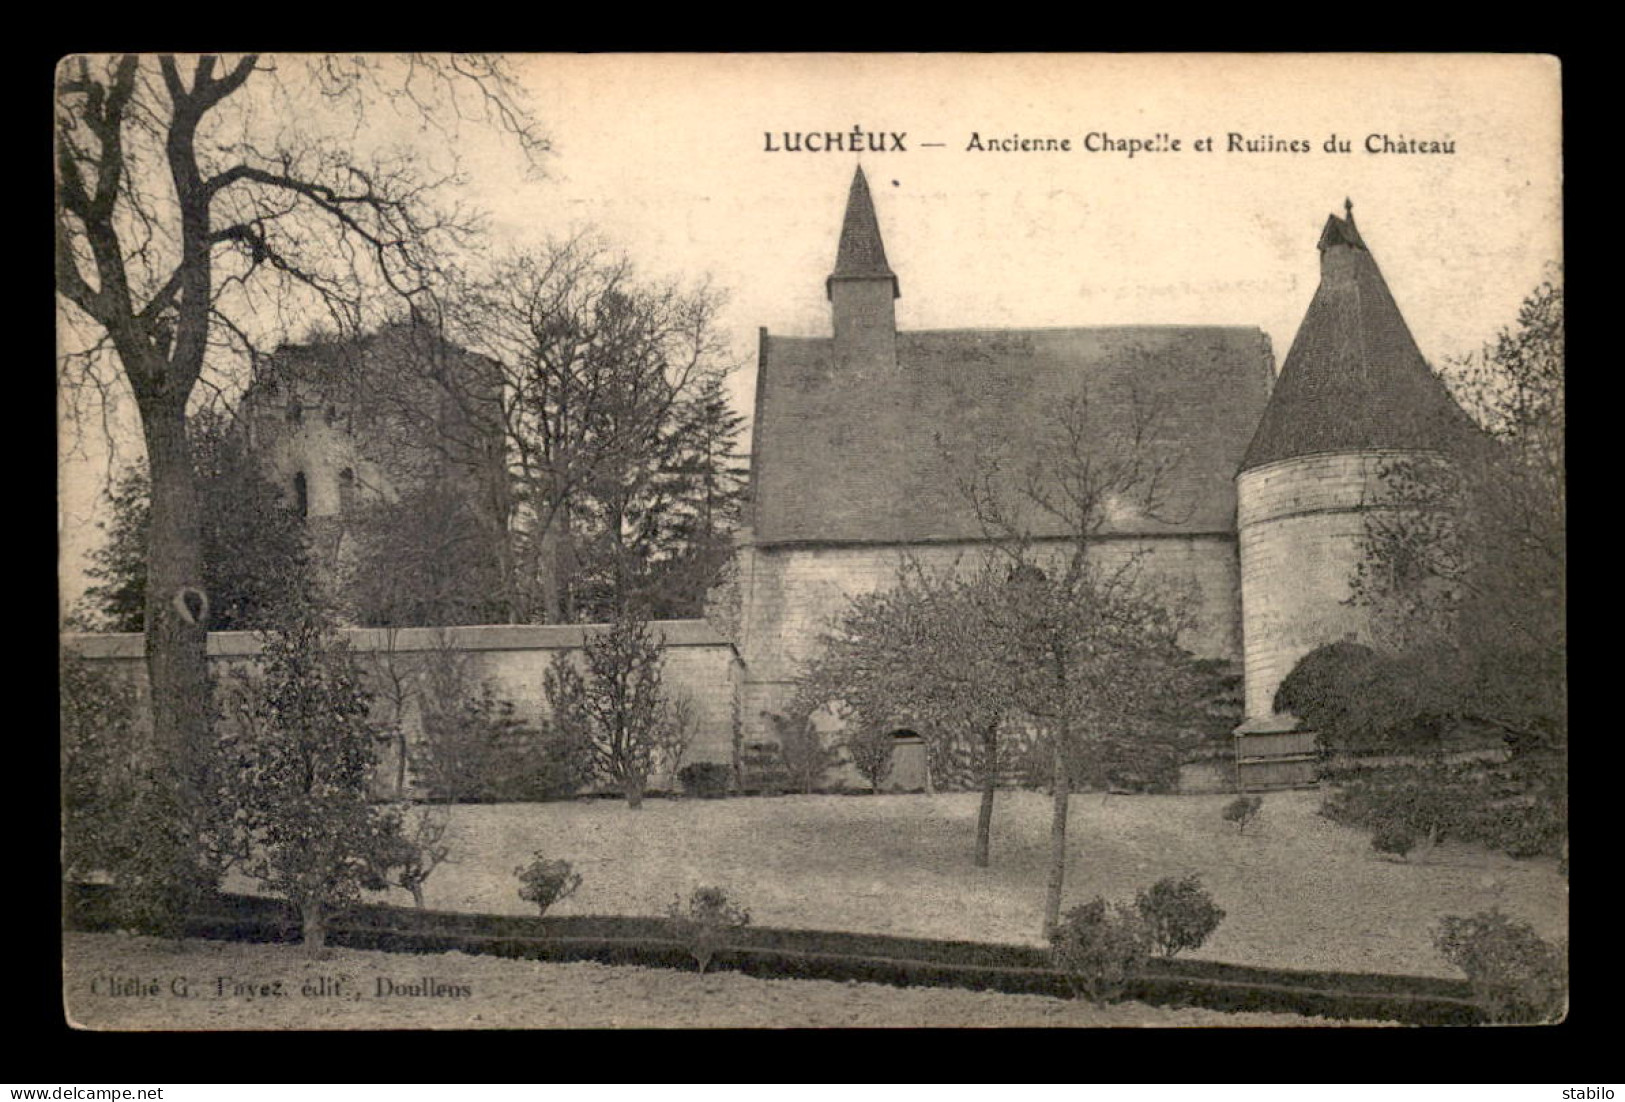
x,y
791,593
700,664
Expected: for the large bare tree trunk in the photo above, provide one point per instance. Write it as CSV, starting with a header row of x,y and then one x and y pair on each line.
x,y
557,570
1062,784
547,577
564,563
176,616
516,606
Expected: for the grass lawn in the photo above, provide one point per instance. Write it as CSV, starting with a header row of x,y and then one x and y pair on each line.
x,y
1299,891
221,985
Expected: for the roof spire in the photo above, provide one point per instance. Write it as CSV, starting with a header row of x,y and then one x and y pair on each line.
x,y
861,255
1341,231
1354,379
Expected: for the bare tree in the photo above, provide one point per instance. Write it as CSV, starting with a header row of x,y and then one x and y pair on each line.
x,y
594,373
189,226
1044,644
1094,648
920,652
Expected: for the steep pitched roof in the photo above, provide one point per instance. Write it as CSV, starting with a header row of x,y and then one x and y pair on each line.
x,y
1354,379
859,457
860,254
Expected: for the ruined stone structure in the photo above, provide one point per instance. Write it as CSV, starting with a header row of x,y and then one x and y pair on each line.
x,y
855,436
341,423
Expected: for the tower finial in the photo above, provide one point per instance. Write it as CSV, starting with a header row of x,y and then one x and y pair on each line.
x,y
1348,208
860,254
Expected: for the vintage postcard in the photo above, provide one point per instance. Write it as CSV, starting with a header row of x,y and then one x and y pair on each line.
x,y
562,541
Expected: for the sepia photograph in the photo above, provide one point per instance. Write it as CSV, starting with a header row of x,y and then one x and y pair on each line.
x,y
766,541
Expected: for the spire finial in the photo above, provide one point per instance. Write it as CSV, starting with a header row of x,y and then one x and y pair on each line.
x,y
860,254
1348,208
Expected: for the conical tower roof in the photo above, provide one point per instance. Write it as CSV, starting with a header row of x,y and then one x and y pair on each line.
x,y
1354,379
861,254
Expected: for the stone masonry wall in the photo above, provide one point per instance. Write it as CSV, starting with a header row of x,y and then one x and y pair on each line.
x,y
791,594
865,324
700,665
1302,533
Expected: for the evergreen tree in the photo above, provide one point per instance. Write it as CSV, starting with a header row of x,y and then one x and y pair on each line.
x,y
253,540
615,704
302,755
118,602
705,484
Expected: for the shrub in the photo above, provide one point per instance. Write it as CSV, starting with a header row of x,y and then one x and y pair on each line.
x,y
761,768
1178,914
1393,838
1423,800
1325,687
477,747
871,754
1243,810
99,777
1516,975
707,779
1100,948
123,817
417,848
802,751
1149,765
1519,827
162,869
536,764
705,922
545,882
1493,803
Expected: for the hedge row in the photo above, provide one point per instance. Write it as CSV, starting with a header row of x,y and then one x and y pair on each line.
x,y
814,954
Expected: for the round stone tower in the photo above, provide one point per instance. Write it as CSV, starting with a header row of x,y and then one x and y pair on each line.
x,y
1353,394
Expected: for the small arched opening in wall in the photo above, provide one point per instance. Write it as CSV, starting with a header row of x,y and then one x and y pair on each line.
x,y
301,494
909,769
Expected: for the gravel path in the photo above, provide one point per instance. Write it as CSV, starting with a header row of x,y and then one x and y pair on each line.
x,y
239,986
1298,891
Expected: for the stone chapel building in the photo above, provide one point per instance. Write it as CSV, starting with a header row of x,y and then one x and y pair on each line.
x,y
1267,471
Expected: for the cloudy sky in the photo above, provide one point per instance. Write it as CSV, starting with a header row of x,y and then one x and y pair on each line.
x,y
667,158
